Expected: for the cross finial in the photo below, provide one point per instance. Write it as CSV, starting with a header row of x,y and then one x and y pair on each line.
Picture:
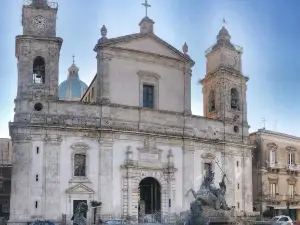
x,y
146,6
264,122
73,59
224,22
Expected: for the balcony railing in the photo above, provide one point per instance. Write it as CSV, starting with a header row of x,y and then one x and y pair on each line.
x,y
293,167
282,198
275,165
53,5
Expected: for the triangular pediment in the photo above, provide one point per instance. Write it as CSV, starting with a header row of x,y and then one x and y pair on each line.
x,y
80,189
147,43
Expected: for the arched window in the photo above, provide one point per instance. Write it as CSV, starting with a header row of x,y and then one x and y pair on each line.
x,y
79,165
39,70
234,99
211,101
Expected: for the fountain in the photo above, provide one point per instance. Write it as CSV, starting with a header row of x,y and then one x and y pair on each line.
x,y
210,207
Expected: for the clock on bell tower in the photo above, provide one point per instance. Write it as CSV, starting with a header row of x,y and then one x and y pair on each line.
x,y
224,85
37,51
39,18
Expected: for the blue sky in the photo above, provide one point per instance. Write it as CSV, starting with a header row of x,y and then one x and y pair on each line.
x,y
268,30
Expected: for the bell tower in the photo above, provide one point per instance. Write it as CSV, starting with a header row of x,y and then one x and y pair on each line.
x,y
224,86
37,51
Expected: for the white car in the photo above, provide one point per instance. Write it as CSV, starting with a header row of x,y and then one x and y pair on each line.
x,y
282,220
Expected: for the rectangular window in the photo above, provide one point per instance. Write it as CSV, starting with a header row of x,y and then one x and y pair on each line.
x,y
89,97
291,159
272,157
237,163
92,92
79,165
148,96
273,189
37,150
238,186
238,205
36,204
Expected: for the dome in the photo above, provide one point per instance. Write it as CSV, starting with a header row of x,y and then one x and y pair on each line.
x,y
223,39
73,88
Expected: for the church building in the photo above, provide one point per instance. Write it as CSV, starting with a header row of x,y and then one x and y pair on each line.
x,y
131,138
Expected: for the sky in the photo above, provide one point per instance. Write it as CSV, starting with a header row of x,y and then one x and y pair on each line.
x,y
268,31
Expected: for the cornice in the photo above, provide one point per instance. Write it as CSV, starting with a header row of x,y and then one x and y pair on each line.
x,y
269,133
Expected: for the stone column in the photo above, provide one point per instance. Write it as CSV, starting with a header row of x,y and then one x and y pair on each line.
x,y
187,91
188,171
103,77
20,202
51,179
106,173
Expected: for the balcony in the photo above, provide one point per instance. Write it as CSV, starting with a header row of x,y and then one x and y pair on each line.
x,y
276,199
275,166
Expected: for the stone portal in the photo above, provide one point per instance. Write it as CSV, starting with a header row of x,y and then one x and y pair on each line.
x,y
150,195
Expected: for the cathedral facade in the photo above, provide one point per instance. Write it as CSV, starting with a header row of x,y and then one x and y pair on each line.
x,y
132,137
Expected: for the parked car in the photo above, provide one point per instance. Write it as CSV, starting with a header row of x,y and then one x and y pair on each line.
x,y
117,222
277,220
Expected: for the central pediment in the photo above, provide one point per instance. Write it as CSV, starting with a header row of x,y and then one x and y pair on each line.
x,y
149,44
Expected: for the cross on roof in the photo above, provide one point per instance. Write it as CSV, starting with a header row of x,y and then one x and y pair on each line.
x,y
146,6
224,22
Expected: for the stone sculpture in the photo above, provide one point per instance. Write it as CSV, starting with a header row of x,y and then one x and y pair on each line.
x,y
209,195
78,217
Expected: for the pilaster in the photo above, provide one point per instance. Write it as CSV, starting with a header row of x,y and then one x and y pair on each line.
x,y
188,171
187,91
106,173
20,202
103,72
52,192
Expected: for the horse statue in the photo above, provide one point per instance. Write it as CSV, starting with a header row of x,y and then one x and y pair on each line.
x,y
78,217
209,195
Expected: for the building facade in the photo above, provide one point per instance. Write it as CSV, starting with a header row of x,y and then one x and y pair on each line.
x,y
5,176
132,138
276,167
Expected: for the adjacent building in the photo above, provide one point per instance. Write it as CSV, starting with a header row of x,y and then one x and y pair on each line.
x,y
5,176
276,168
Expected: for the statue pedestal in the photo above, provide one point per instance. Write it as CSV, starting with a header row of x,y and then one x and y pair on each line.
x,y
220,217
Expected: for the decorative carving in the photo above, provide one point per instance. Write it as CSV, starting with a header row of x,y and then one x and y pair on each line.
x,y
150,142
80,146
272,146
207,155
289,148
53,51
292,180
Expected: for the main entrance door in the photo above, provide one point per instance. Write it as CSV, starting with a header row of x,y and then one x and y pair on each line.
x,y
150,194
75,204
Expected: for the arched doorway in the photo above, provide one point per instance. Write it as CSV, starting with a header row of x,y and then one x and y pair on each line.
x,y
150,194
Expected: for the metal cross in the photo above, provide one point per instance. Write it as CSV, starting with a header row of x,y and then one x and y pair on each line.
x,y
73,59
224,22
146,6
